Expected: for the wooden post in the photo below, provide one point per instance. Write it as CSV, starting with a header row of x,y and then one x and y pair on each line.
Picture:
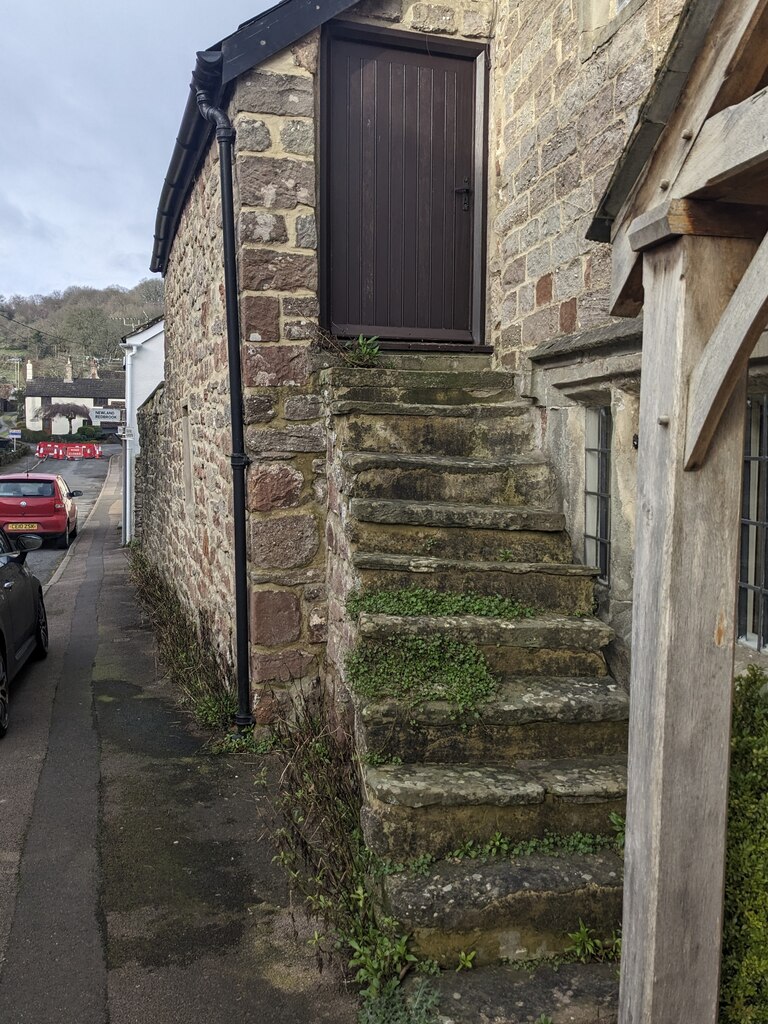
x,y
682,649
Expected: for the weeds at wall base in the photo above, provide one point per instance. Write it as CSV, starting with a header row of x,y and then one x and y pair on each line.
x,y
316,808
202,679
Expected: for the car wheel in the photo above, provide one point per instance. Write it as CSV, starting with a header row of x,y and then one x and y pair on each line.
x,y
65,539
41,631
3,697
73,532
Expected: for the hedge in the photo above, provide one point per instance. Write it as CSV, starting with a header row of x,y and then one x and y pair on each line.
x,y
744,984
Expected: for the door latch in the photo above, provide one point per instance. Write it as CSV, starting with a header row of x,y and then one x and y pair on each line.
x,y
466,192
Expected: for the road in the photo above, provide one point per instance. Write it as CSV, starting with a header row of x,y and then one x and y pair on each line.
x,y
86,475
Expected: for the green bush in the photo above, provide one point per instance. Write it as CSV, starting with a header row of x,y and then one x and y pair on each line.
x,y
744,986
89,433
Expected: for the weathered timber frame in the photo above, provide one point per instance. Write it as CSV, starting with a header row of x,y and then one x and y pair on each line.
x,y
690,244
417,42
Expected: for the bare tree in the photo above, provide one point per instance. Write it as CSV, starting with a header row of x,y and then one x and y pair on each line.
x,y
69,410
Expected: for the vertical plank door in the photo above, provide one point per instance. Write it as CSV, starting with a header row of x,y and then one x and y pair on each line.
x,y
401,168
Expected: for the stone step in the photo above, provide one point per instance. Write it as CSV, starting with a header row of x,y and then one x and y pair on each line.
x,y
436,361
479,431
425,387
510,994
507,909
433,808
556,587
547,645
527,718
378,378
482,532
523,480
455,542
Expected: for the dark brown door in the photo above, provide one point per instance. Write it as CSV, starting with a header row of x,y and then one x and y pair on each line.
x,y
404,198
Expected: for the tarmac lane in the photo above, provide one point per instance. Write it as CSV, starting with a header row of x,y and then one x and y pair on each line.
x,y
135,881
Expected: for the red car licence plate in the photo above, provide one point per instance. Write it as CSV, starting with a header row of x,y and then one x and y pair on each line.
x,y
21,526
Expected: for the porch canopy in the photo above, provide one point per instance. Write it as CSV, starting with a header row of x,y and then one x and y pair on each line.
x,y
686,213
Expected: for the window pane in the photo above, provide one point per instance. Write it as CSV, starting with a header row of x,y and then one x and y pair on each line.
x,y
592,432
593,472
590,551
591,515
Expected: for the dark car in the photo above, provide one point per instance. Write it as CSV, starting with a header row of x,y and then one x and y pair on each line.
x,y
39,503
23,622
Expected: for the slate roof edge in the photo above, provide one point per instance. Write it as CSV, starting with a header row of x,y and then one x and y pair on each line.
x,y
44,387
253,43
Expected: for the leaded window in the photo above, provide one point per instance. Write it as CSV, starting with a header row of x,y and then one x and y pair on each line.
x,y
597,490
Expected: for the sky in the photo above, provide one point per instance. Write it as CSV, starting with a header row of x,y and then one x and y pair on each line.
x,y
93,94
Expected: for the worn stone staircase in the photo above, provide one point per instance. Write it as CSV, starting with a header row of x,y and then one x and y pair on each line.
x,y
436,482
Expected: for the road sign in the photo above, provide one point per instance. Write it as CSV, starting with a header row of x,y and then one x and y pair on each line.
x,y
106,415
16,434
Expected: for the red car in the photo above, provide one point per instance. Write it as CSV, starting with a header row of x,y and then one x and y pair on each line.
x,y
39,503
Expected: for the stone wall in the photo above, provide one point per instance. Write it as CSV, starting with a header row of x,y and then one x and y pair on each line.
x,y
275,110
183,475
561,114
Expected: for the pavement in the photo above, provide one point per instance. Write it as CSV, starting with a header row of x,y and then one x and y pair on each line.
x,y
136,884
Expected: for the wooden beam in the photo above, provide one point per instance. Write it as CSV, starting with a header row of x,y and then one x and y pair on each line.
x,y
696,217
746,72
682,651
725,358
736,27
731,143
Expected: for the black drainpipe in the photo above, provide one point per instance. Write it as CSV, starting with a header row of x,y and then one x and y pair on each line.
x,y
205,79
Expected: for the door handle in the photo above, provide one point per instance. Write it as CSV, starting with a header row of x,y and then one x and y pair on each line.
x,y
8,585
466,192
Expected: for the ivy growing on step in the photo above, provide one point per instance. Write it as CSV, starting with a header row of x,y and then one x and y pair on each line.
x,y
423,601
415,670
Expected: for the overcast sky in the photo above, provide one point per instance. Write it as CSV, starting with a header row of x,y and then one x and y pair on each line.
x,y
93,94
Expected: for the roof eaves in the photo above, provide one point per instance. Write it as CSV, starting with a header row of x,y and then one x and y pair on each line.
x,y
695,20
144,327
273,31
253,43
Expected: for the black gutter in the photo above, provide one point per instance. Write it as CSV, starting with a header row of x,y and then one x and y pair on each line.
x,y
661,102
205,77
191,145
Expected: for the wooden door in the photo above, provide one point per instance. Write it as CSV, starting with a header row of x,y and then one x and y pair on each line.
x,y
403,159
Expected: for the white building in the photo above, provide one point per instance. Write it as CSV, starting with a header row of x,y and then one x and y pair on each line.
x,y
93,393
144,366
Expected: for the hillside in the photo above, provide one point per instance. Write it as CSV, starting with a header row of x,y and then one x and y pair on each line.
x,y
84,323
